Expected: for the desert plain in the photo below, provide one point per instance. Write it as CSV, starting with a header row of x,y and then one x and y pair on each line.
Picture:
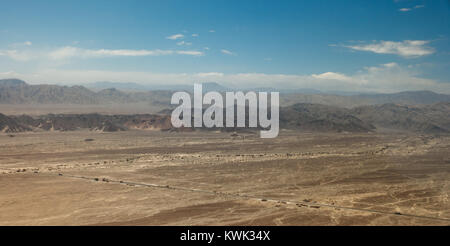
x,y
151,177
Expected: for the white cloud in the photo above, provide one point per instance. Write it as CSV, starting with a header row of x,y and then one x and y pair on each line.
x,y
65,52
390,65
21,44
389,77
69,51
175,36
212,30
227,52
18,55
195,35
189,52
333,76
8,74
184,43
406,48
409,9
75,52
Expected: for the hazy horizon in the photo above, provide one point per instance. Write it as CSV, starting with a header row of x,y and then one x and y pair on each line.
x,y
133,86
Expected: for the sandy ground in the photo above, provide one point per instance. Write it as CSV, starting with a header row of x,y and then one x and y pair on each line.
x,y
211,178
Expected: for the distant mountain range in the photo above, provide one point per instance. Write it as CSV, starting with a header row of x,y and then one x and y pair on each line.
x,y
413,111
133,87
406,97
14,91
429,119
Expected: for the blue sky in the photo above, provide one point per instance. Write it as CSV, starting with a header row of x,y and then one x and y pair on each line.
x,y
382,46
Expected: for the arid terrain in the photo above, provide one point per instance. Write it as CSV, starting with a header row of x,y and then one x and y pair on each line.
x,y
152,177
225,113
74,156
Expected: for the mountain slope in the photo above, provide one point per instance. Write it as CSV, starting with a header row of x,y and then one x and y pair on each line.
x,y
316,117
13,91
8,124
18,92
424,119
406,97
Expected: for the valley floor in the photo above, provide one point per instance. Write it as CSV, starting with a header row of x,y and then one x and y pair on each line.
x,y
212,178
